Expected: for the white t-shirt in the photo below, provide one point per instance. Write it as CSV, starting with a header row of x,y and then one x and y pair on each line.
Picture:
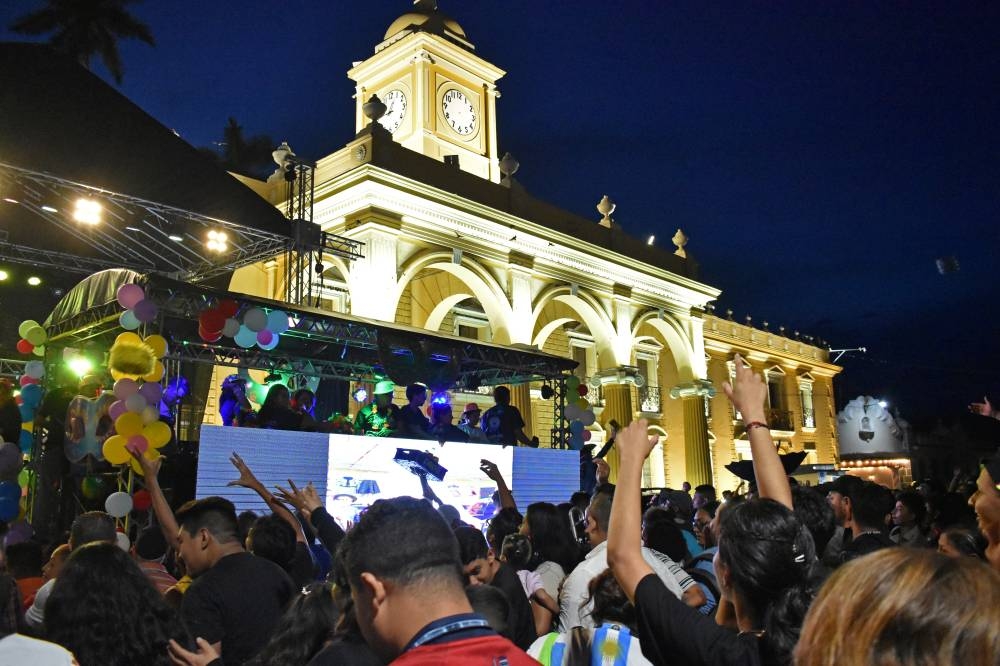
x,y
575,593
530,581
35,616
18,650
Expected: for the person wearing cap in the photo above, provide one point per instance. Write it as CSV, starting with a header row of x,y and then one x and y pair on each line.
x,y
234,406
986,502
380,417
469,424
840,499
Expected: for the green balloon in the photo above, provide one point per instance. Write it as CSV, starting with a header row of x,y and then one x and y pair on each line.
x,y
25,477
92,487
36,335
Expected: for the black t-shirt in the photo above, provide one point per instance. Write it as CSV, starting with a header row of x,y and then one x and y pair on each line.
x,y
412,423
346,651
501,423
239,602
520,621
302,568
672,633
864,544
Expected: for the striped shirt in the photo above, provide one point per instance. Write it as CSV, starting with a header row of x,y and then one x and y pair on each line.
x,y
158,576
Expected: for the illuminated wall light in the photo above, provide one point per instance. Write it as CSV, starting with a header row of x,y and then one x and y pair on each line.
x,y
87,211
217,241
34,281
50,209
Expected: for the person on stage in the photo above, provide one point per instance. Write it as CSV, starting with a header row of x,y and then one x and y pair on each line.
x,y
503,423
412,422
379,418
234,406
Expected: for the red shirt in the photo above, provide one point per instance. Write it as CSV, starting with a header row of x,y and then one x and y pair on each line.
x,y
485,650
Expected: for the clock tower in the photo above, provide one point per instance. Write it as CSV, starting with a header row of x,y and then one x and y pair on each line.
x,y
440,96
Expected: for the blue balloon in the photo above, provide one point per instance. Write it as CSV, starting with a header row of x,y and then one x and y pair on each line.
x,y
25,441
10,490
27,413
576,428
245,337
31,395
576,442
9,509
128,321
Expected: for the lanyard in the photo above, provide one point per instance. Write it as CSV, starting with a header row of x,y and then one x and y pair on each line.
x,y
451,627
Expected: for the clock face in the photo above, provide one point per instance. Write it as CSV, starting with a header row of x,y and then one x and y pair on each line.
x,y
395,103
459,112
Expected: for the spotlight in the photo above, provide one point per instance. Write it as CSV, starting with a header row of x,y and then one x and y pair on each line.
x,y
34,280
49,209
651,240
217,241
4,275
80,365
360,395
547,392
175,238
87,211
440,399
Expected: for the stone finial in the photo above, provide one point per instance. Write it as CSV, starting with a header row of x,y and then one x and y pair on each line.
x,y
508,167
605,207
729,314
680,240
749,320
373,108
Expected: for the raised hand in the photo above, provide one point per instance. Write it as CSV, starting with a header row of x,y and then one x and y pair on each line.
x,y
983,408
748,392
305,500
150,468
490,469
247,478
634,442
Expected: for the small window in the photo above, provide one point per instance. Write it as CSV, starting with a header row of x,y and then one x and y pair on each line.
x,y
580,356
468,332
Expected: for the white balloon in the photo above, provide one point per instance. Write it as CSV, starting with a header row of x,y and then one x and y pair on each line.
x,y
149,414
118,504
122,541
255,319
34,369
135,403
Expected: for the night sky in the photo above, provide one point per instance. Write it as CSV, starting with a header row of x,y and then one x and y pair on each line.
x,y
820,157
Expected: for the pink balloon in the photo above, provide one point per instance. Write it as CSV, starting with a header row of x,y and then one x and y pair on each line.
x,y
116,409
587,434
125,388
265,337
137,444
129,295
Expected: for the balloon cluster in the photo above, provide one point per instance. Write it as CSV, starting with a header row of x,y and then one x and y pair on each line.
x,y
29,400
578,412
257,327
138,430
138,309
33,338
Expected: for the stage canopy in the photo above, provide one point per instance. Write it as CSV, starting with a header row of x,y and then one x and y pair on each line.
x,y
317,343
66,136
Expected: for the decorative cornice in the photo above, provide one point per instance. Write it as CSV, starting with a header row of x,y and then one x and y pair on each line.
x,y
699,388
521,259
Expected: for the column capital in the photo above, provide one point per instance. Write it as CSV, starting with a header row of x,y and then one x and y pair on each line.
x,y
698,388
622,374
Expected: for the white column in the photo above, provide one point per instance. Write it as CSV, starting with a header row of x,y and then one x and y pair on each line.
x,y
372,281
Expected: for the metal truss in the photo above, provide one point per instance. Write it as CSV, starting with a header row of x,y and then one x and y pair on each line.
x,y
11,367
254,358
64,261
146,235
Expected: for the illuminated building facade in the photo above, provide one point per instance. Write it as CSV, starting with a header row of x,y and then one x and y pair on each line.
x,y
453,243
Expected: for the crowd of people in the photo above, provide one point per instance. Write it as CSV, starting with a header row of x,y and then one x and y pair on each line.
x,y
284,410
851,574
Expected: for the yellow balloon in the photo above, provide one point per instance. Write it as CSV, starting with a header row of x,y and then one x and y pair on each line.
x,y
129,424
156,375
128,338
29,426
150,454
157,434
136,466
114,450
583,404
158,344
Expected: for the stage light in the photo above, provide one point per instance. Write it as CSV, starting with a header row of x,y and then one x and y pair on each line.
x,y
4,275
9,200
80,365
34,280
50,209
87,211
175,238
883,404
217,241
651,240
440,399
360,395
547,392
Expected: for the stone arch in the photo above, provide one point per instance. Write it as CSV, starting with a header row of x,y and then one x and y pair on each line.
x,y
676,339
586,309
478,282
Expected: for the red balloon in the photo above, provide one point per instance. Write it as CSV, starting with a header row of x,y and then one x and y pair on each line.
x,y
141,500
228,308
212,321
209,336
25,347
25,380
582,389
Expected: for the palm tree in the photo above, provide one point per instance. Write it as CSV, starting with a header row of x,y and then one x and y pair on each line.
x,y
249,156
86,28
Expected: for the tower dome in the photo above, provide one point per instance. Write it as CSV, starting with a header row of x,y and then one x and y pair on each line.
x,y
425,17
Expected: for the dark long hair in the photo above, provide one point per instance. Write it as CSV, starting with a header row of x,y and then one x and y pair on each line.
x,y
303,630
552,536
770,556
106,612
610,605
